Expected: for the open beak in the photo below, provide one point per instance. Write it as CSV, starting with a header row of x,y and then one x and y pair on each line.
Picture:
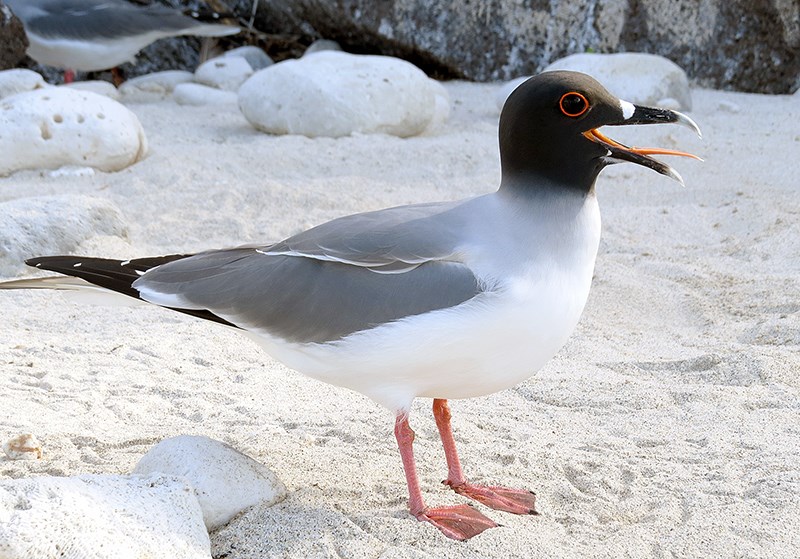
x,y
645,115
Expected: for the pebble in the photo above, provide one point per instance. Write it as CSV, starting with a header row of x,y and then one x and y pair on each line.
x,y
225,481
23,447
71,171
224,72
19,80
198,94
256,58
729,107
336,94
53,127
155,86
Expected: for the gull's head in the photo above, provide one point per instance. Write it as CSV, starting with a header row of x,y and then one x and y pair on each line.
x,y
549,129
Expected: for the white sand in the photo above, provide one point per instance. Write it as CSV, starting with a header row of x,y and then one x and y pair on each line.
x,y
668,426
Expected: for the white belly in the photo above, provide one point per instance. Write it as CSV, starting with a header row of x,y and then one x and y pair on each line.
x,y
88,56
487,344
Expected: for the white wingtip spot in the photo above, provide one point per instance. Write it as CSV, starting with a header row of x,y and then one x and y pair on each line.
x,y
627,109
125,263
77,265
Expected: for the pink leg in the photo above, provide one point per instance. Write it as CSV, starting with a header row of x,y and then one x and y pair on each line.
x,y
518,501
459,522
69,76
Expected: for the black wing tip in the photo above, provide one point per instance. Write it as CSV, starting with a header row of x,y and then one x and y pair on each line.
x,y
70,260
41,261
60,263
114,275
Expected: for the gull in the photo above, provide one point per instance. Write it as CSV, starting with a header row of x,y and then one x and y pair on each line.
x,y
444,300
92,35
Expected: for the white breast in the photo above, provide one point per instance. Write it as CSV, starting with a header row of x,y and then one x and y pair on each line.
x,y
489,343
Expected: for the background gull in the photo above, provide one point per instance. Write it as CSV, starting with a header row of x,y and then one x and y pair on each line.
x,y
91,35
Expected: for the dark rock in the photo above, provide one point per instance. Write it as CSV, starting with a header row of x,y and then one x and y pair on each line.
x,y
747,46
723,44
13,41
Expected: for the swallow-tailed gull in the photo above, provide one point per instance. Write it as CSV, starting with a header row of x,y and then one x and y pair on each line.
x,y
438,300
91,35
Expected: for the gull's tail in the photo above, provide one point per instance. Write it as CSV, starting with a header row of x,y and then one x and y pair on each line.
x,y
98,280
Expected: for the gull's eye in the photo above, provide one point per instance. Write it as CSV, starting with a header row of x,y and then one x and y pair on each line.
x,y
573,104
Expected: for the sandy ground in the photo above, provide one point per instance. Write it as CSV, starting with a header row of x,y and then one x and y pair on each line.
x,y
667,427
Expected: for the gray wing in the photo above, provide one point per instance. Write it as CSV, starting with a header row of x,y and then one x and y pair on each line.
x,y
321,285
107,19
385,241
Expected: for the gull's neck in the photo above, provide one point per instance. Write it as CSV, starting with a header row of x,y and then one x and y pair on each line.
x,y
538,188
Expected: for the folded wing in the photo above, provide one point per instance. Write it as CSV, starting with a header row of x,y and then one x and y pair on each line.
x,y
341,277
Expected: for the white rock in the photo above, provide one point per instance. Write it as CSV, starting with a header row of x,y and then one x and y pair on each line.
x,y
442,106
23,447
256,58
52,225
336,94
19,80
729,107
71,171
669,103
505,90
321,45
225,481
53,127
640,78
224,72
97,517
95,86
198,94
155,86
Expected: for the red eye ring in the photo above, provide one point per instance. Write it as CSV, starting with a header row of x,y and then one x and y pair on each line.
x,y
582,105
